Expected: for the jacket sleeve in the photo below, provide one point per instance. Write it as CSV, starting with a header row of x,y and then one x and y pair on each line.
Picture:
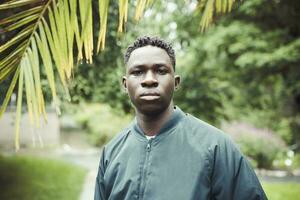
x,y
232,176
99,186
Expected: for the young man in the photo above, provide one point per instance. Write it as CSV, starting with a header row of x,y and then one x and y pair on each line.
x,y
166,154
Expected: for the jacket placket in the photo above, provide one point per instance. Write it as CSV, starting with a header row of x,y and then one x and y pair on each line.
x,y
145,170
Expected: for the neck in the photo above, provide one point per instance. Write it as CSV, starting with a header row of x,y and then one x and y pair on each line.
x,y
151,124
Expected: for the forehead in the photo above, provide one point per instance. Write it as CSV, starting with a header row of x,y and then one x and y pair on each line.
x,y
148,55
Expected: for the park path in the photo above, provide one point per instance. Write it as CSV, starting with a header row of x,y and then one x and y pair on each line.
x,y
75,149
87,158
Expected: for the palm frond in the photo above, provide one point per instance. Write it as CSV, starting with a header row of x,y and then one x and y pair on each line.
x,y
123,12
209,8
45,30
19,109
18,3
141,4
103,10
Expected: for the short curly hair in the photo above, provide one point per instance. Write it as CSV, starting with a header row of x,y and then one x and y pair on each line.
x,y
152,41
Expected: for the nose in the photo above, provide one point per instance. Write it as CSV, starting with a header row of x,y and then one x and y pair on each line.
x,y
149,80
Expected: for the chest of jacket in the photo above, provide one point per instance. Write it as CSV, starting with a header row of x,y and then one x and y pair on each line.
x,y
169,167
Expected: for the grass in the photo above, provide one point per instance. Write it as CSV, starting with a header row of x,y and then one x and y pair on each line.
x,y
29,178
282,191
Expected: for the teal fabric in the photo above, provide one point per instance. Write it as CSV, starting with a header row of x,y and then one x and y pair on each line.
x,y
187,160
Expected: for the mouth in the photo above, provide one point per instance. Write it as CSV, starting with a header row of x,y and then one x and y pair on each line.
x,y
150,96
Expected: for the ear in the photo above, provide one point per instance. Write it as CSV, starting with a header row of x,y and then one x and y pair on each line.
x,y
124,83
177,81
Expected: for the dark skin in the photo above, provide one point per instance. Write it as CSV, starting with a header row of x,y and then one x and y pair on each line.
x,y
150,82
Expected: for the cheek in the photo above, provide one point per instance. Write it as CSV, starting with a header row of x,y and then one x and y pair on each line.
x,y
170,86
131,88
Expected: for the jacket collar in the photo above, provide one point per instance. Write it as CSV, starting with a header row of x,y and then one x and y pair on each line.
x,y
167,127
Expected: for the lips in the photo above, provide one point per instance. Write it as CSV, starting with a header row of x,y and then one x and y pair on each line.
x,y
150,96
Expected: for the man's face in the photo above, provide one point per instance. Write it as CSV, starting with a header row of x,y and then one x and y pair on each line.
x,y
150,80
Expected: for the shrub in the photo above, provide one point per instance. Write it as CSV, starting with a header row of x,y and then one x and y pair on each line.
x,y
101,122
260,145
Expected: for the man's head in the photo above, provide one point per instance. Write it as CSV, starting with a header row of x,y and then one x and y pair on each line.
x,y
150,78
152,41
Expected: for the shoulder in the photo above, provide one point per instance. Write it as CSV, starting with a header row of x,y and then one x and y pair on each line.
x,y
203,130
205,136
116,142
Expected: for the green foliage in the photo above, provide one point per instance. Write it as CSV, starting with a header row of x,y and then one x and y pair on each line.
x,y
101,122
246,67
296,162
255,143
279,191
30,178
259,150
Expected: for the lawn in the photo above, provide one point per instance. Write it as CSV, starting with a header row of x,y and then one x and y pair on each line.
x,y
282,191
30,178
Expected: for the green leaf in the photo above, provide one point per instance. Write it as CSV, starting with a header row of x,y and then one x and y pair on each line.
x,y
207,15
9,91
103,10
22,35
22,22
85,9
46,57
6,72
16,3
13,56
29,92
123,11
21,15
34,62
141,4
19,109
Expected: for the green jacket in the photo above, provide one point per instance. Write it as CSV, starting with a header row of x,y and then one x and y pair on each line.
x,y
187,160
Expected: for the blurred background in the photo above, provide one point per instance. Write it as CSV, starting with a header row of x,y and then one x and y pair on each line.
x,y
242,75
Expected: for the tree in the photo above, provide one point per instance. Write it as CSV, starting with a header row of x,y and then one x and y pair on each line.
x,y
246,67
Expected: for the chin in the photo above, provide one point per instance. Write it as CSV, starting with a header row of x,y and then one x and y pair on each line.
x,y
152,109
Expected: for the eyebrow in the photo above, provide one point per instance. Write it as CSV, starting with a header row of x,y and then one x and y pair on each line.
x,y
161,64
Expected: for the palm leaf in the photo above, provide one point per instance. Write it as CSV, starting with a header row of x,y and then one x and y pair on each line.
x,y
209,8
45,30
123,12
19,109
103,10
21,15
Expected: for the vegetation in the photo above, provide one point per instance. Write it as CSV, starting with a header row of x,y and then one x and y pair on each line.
x,y
255,143
279,191
100,121
30,178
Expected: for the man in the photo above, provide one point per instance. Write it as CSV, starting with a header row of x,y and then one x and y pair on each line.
x,y
166,154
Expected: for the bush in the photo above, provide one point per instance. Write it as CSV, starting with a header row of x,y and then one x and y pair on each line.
x,y
101,122
287,161
261,145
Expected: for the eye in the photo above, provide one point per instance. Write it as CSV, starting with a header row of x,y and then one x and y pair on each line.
x,y
137,72
162,71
